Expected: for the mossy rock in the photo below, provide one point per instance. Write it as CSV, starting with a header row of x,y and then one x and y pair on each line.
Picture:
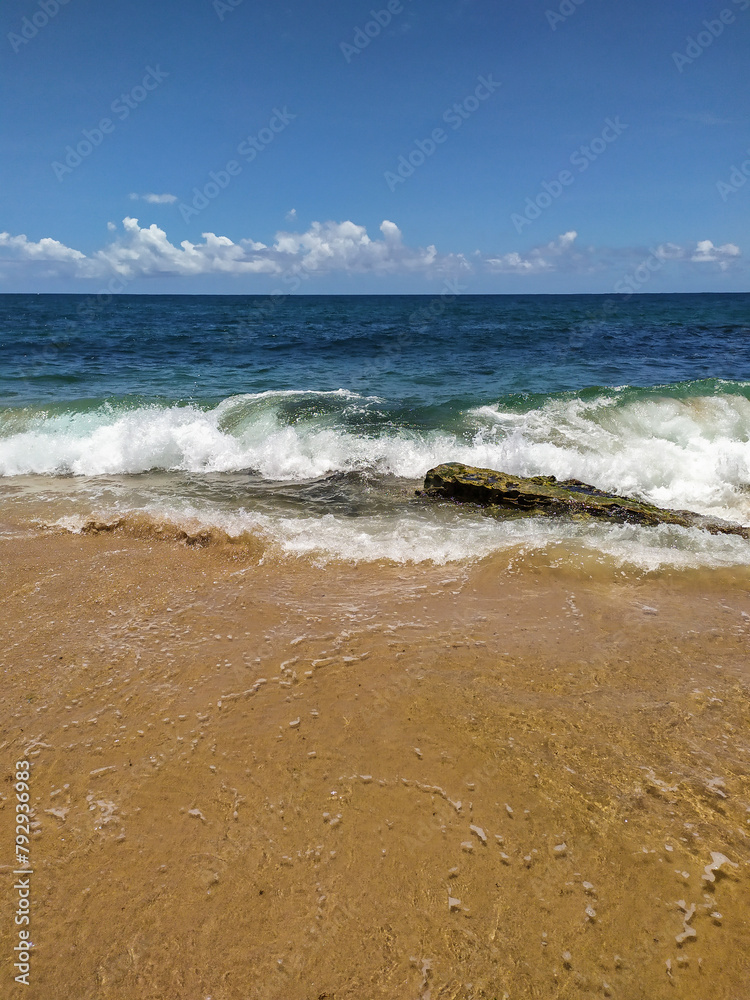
x,y
545,496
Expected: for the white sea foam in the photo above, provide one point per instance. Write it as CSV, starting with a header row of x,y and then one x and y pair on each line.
x,y
413,541
240,433
692,452
454,537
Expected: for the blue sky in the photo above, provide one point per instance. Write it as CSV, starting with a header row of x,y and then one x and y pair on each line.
x,y
543,146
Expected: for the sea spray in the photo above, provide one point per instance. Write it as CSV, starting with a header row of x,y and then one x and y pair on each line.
x,y
669,445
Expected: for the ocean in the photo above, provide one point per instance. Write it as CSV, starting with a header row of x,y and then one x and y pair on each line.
x,y
308,422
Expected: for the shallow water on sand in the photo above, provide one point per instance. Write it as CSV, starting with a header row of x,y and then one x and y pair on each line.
x,y
277,780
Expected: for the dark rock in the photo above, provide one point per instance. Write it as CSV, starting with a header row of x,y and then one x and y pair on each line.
x,y
544,495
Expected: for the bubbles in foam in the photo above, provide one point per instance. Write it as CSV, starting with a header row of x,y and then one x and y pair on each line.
x,y
676,450
453,538
691,451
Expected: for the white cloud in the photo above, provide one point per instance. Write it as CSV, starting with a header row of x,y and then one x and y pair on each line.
x,y
345,246
557,255
706,253
47,259
147,253
46,249
155,199
291,215
670,251
326,248
562,255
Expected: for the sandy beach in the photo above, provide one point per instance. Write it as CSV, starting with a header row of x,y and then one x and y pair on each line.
x,y
256,777
375,501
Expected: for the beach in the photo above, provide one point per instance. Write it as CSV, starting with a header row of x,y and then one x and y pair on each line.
x,y
289,729
254,775
375,501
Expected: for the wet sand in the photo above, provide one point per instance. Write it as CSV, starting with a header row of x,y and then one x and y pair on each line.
x,y
275,780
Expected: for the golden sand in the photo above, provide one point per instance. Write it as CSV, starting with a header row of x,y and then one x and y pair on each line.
x,y
267,779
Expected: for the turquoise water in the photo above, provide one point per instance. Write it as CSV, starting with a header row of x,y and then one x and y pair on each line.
x,y
312,419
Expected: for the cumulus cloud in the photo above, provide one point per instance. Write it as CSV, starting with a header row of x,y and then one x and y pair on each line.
x,y
563,255
669,251
147,252
137,251
46,249
155,199
706,253
44,259
345,246
544,258
324,248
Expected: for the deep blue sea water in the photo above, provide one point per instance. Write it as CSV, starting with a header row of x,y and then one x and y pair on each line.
x,y
310,420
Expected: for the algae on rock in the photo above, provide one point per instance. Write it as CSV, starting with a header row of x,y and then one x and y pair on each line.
x,y
544,495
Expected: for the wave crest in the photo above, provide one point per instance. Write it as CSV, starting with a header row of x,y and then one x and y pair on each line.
x,y
674,446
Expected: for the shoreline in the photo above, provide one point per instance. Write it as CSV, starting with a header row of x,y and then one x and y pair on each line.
x,y
452,534
451,775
